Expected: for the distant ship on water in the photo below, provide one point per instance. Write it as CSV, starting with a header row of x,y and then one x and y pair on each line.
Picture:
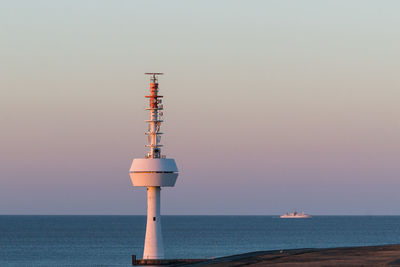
x,y
295,215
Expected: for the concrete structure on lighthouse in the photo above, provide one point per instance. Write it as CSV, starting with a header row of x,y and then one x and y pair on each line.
x,y
153,172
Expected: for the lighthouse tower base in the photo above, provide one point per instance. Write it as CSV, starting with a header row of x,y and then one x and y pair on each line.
x,y
153,244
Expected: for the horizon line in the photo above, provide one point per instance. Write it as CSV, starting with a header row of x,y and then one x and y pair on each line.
x,y
193,215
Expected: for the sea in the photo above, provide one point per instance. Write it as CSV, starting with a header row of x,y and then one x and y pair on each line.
x,y
112,240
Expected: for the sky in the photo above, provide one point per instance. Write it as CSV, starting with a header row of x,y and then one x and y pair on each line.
x,y
270,106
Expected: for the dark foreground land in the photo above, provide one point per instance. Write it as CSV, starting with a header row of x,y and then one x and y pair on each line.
x,y
387,255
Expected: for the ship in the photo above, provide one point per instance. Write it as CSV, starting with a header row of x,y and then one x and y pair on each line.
x,y
296,215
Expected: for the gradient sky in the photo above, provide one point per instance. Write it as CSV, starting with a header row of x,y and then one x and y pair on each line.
x,y
270,105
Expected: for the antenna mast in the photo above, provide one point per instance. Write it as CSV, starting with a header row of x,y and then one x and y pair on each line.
x,y
156,114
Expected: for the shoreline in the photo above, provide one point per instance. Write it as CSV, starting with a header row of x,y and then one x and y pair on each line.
x,y
382,255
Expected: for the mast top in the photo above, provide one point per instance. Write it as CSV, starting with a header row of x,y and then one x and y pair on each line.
x,y
154,75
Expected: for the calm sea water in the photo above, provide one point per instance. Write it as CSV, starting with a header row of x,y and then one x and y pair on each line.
x,y
111,240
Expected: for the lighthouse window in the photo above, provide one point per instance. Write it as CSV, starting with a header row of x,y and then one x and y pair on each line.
x,y
154,218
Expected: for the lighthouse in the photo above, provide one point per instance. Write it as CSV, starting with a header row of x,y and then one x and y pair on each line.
x,y
154,171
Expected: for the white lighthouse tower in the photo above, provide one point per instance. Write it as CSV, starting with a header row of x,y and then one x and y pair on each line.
x,y
153,172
